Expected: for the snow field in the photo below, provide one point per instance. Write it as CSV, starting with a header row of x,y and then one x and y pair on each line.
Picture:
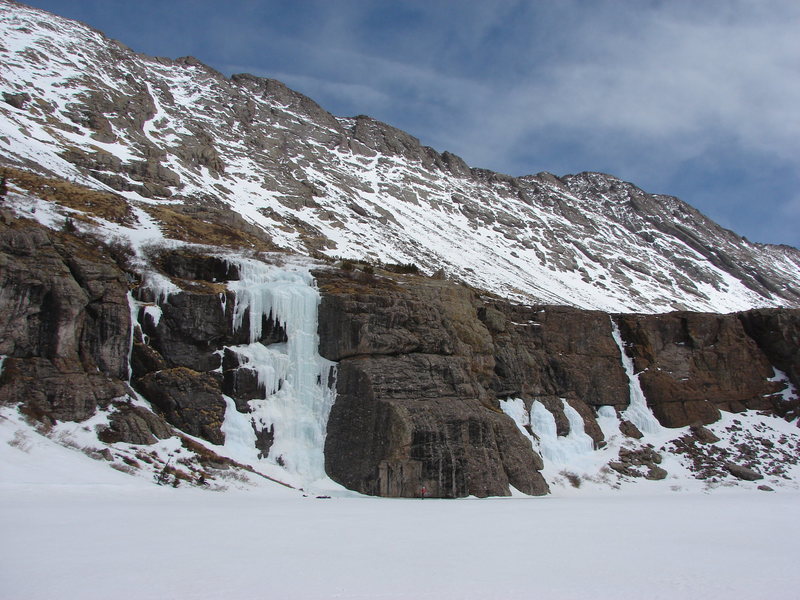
x,y
99,541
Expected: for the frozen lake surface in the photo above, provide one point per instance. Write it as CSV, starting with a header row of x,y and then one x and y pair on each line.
x,y
128,539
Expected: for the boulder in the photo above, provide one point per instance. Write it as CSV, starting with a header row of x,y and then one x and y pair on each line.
x,y
630,430
703,434
742,472
135,425
189,400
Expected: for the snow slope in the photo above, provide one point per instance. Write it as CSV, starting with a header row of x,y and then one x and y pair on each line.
x,y
74,529
177,133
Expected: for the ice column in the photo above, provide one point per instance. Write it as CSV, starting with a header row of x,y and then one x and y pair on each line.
x,y
299,393
637,412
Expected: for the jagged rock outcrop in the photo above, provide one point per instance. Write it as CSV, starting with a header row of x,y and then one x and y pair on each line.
x,y
189,400
777,333
134,425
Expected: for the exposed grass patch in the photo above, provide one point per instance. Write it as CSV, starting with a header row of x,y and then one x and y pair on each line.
x,y
197,229
573,478
93,203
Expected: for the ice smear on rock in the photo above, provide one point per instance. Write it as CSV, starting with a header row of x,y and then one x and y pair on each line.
x,y
240,438
298,383
637,412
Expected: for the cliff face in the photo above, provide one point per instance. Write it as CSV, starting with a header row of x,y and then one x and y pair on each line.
x,y
64,323
414,407
421,362
694,365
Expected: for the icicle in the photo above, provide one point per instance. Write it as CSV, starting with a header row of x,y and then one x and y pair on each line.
x,y
161,286
271,364
223,301
581,441
637,412
240,439
606,412
133,306
557,449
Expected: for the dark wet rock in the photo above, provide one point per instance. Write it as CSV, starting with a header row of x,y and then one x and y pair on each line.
x,y
190,331
144,360
185,264
189,400
264,439
242,385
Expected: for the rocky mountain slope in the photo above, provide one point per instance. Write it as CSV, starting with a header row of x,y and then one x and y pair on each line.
x,y
180,141
209,280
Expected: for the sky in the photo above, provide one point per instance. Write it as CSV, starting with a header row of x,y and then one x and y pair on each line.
x,y
699,100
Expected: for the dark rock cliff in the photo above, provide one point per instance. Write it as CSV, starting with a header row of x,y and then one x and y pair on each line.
x,y
693,365
422,362
414,407
64,323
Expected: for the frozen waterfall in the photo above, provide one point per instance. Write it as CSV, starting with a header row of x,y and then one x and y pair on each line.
x,y
299,387
637,412
539,425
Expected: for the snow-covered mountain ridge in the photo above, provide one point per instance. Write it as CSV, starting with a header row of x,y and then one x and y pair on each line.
x,y
177,137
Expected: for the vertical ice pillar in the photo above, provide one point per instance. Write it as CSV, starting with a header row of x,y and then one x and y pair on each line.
x,y
296,379
637,412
